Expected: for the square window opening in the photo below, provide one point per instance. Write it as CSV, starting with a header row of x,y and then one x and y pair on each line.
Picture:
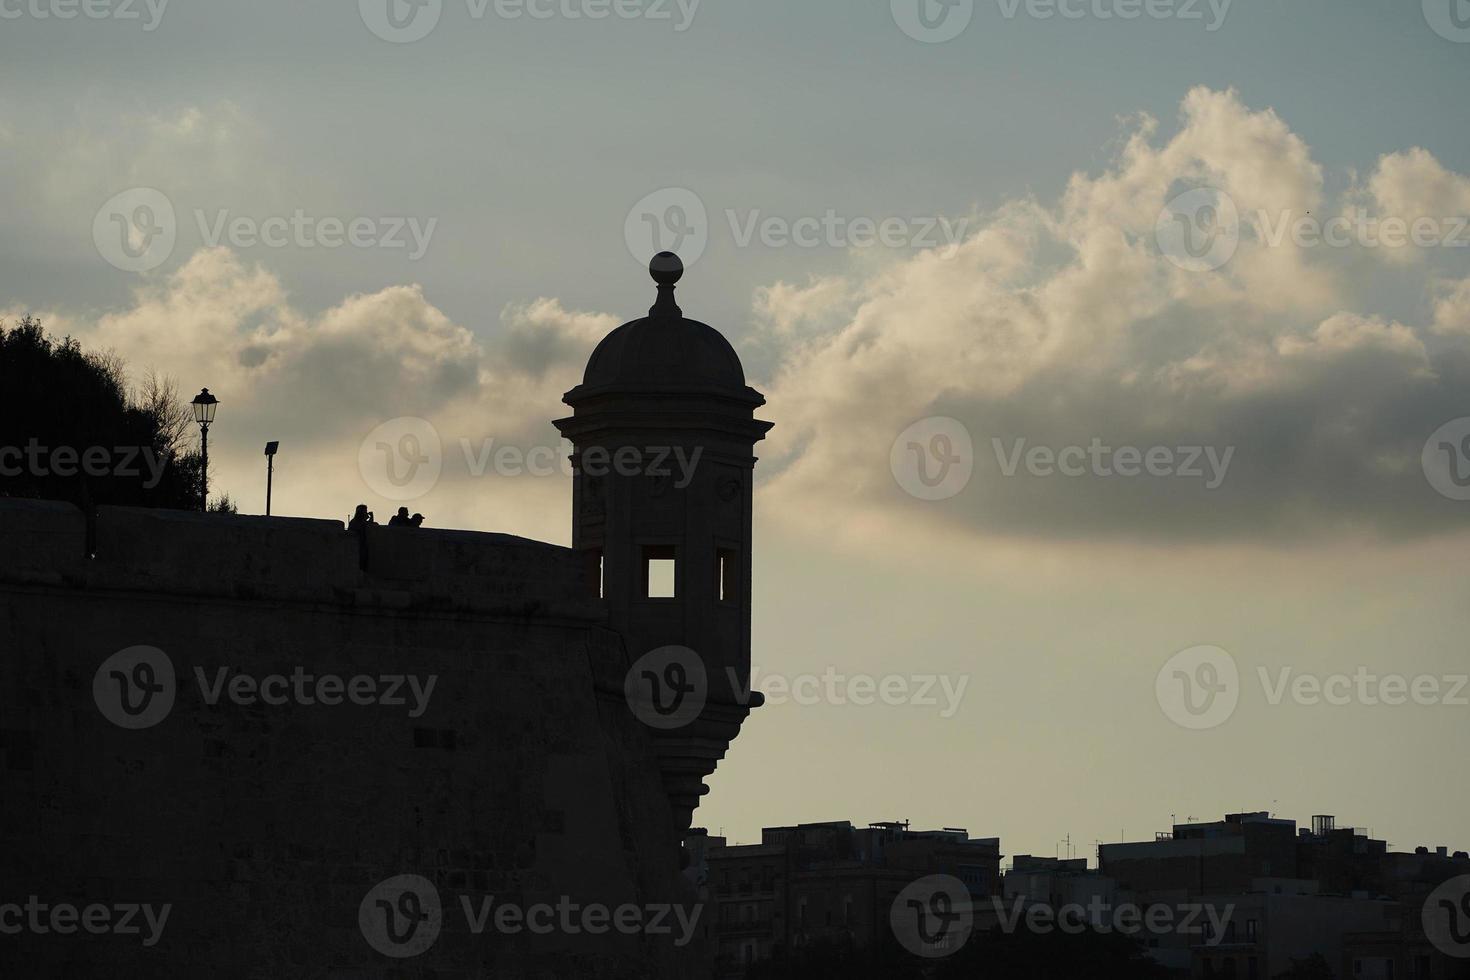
x,y
660,571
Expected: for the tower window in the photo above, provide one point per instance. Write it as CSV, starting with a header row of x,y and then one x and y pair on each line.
x,y
728,575
594,569
660,571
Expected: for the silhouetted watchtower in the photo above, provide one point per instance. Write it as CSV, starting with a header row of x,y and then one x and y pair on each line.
x,y
663,436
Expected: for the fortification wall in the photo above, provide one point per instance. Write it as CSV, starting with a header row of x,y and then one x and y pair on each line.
x,y
263,825
290,559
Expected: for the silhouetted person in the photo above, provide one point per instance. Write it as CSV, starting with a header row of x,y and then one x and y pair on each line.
x,y
362,519
417,520
400,519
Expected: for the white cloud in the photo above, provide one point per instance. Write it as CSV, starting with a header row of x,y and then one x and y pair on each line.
x,y
1452,312
1413,184
1058,325
322,382
1055,324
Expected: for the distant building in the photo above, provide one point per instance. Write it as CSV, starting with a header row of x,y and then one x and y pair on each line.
x,y
829,883
1225,856
1275,923
1239,898
1290,893
1056,882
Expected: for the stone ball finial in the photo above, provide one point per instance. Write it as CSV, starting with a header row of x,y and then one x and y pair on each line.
x,y
664,349
666,269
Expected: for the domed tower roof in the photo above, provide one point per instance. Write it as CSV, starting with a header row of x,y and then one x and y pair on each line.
x,y
664,350
659,350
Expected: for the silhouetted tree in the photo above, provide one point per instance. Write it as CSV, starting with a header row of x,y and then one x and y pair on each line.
x,y
70,430
223,505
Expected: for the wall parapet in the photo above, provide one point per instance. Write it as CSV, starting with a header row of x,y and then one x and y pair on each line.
x,y
183,553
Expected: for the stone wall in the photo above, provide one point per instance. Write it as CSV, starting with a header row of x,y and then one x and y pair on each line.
x,y
265,826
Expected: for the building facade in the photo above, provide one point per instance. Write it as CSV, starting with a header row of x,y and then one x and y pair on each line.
x,y
830,885
1291,893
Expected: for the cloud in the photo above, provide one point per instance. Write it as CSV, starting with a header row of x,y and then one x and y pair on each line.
x,y
1452,311
1052,325
790,311
1063,325
322,382
1413,184
75,160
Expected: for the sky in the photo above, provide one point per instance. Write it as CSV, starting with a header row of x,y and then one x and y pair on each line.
x,y
1119,431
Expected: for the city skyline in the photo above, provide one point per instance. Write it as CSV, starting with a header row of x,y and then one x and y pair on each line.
x,y
1247,895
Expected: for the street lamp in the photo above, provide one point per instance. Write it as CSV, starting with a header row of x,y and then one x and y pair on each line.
x,y
270,472
204,406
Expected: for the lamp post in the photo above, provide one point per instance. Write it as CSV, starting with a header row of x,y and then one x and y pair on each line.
x,y
204,407
270,472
